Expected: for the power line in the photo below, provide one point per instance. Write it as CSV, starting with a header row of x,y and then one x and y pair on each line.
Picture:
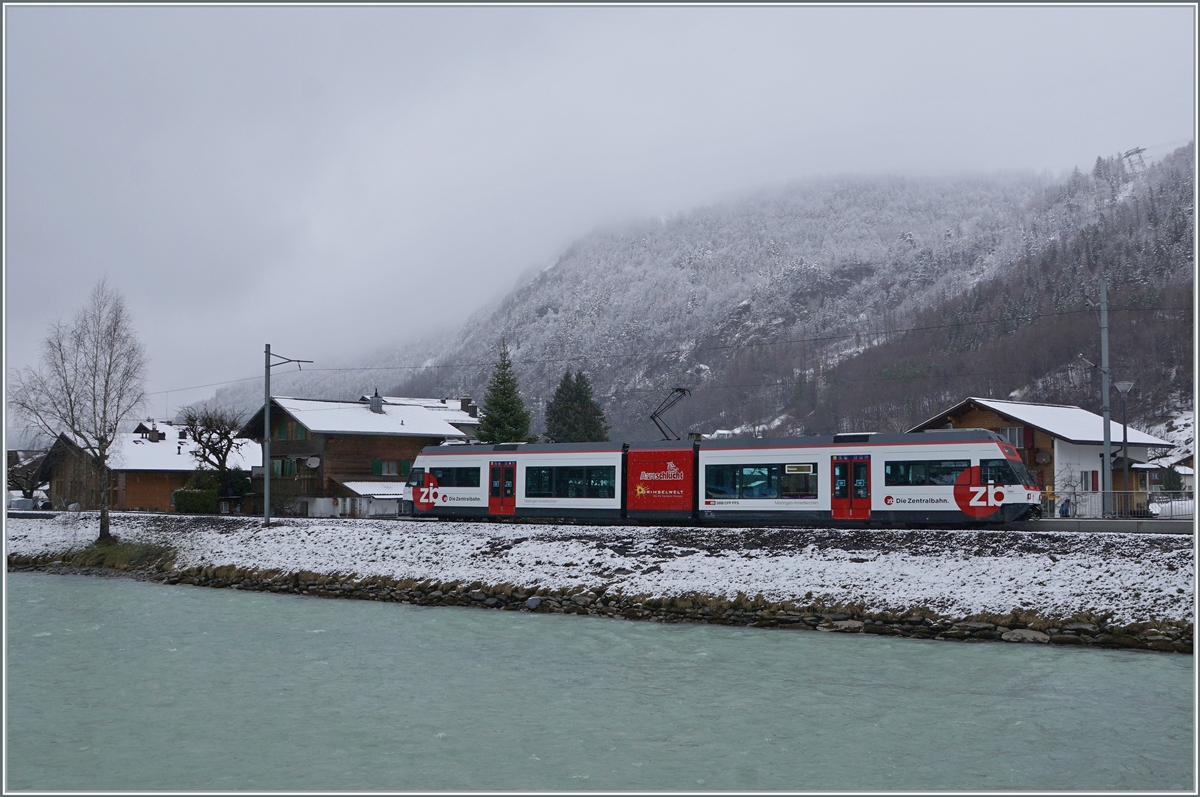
x,y
668,352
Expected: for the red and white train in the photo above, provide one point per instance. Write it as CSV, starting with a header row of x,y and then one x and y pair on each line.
x,y
944,477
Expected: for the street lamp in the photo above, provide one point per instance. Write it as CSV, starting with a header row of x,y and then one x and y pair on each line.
x,y
1123,388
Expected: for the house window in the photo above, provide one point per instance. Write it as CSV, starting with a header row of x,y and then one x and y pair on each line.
x,y
385,467
301,432
281,468
1014,435
281,431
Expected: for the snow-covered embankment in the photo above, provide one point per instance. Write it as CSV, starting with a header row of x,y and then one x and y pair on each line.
x,y
1113,579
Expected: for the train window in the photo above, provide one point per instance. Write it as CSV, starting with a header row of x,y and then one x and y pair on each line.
x,y
798,481
416,476
539,482
570,483
921,473
945,471
595,482
602,482
904,474
760,481
1024,475
998,471
455,477
721,481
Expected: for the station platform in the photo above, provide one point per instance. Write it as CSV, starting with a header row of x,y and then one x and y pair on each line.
x,y
1112,525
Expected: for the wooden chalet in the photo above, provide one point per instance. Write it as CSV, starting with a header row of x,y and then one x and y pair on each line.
x,y
1061,444
146,467
344,458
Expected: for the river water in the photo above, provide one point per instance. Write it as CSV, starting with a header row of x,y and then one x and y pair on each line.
x,y
114,684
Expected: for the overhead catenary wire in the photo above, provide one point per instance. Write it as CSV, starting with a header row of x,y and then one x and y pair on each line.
x,y
670,352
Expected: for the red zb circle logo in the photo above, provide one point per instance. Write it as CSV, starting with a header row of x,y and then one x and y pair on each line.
x,y
975,499
427,494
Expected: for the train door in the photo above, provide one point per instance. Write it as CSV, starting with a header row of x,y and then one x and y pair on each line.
x,y
851,487
502,490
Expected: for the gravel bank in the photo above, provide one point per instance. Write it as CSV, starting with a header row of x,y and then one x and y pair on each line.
x,y
917,583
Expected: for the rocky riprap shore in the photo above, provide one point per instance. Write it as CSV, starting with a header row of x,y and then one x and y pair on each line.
x,y
741,610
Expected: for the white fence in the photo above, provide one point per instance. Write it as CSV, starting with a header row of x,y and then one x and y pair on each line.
x,y
1090,504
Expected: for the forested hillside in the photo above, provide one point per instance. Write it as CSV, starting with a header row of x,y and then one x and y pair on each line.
x,y
1020,333
846,303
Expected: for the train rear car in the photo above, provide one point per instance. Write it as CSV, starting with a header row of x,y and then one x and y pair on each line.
x,y
963,477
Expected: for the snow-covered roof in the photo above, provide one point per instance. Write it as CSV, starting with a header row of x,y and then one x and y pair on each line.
x,y
134,452
1073,424
356,417
448,409
376,489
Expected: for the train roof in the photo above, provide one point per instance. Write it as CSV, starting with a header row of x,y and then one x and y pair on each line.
x,y
874,438
524,448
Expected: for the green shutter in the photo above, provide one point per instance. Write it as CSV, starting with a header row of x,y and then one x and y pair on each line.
x,y
301,432
377,467
405,466
281,431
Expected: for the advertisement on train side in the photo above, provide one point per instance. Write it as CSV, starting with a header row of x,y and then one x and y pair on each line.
x,y
660,480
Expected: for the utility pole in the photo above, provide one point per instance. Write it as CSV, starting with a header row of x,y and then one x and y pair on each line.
x,y
1106,456
1107,486
266,445
1123,388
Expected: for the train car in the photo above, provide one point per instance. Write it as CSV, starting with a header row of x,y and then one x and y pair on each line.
x,y
945,477
582,481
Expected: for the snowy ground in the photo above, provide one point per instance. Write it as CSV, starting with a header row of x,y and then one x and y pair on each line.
x,y
1132,577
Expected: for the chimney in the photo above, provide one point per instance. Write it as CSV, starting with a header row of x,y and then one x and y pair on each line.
x,y
154,436
469,407
376,402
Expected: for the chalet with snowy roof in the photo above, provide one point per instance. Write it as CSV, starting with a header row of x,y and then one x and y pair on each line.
x,y
346,458
461,413
146,467
1063,445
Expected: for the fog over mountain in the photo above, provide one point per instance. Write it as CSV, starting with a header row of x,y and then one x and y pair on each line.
x,y
759,306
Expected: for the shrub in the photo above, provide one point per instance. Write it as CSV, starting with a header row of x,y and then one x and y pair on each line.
x,y
195,502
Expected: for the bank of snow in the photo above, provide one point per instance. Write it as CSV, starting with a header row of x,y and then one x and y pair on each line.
x,y
1133,577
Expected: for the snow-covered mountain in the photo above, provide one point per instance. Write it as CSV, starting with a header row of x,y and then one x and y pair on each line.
x,y
756,305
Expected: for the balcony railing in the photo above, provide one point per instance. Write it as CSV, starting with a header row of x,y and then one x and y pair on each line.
x,y
1133,504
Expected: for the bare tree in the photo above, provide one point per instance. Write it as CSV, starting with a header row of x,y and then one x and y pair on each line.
x,y
90,381
215,431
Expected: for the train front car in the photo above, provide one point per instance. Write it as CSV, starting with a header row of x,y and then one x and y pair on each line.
x,y
573,481
942,478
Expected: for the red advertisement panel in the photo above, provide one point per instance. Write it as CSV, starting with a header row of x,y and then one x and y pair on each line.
x,y
661,480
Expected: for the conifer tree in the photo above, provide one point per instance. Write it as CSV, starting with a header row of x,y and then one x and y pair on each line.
x,y
574,415
505,419
560,410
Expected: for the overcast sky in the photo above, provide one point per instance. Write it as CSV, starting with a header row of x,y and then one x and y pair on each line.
x,y
329,180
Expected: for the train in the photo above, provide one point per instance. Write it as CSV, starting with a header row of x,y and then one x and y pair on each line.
x,y
941,478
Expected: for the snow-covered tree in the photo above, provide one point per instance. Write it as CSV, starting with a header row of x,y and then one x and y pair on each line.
x,y
505,419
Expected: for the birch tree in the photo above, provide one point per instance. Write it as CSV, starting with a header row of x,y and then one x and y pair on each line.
x,y
90,381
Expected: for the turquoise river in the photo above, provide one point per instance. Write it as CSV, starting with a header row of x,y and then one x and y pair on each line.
x,y
118,685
